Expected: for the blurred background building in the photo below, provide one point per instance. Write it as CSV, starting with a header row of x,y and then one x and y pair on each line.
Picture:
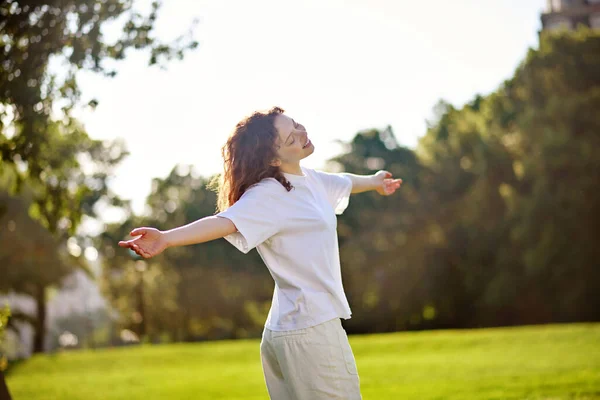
x,y
571,13
73,308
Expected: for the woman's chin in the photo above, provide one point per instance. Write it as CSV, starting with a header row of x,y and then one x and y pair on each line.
x,y
309,150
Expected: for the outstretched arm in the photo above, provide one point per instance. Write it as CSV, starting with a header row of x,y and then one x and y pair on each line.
x,y
382,182
151,241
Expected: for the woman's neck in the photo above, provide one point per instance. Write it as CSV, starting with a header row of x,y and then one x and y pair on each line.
x,y
291,169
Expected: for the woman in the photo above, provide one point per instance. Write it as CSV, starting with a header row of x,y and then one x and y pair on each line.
x,y
269,201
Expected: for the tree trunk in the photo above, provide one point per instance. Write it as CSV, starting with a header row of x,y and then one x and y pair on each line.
x,y
40,319
142,308
4,394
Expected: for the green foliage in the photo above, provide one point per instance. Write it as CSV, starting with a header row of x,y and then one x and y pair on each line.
x,y
34,34
29,255
560,362
206,291
49,151
4,316
493,224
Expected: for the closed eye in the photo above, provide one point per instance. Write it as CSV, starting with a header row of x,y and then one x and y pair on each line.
x,y
296,125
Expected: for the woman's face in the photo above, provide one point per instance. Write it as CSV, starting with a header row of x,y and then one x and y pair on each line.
x,y
293,143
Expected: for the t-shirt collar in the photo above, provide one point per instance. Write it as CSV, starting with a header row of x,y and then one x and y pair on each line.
x,y
295,179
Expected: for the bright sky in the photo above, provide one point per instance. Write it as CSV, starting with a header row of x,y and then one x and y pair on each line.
x,y
336,66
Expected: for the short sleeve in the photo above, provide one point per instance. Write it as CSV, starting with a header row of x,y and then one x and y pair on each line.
x,y
338,188
254,217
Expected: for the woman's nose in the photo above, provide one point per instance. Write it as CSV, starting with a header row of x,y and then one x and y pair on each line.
x,y
302,137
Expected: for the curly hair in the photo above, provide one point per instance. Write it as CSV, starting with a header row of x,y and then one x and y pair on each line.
x,y
247,157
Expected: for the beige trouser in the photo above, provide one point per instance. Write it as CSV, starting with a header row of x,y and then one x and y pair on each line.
x,y
310,364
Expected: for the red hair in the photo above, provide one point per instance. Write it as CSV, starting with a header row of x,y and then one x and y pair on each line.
x,y
247,157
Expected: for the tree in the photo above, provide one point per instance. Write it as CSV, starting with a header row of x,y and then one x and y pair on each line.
x,y
517,246
44,147
205,291
31,258
33,34
381,265
492,225
549,115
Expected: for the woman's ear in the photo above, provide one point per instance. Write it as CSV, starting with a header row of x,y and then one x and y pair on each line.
x,y
275,163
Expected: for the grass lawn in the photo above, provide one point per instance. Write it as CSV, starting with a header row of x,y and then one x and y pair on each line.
x,y
548,362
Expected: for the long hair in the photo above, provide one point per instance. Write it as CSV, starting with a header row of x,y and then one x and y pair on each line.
x,y
247,155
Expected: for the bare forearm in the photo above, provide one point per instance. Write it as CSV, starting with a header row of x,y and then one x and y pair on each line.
x,y
362,183
200,231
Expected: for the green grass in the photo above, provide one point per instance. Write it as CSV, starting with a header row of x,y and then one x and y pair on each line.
x,y
539,362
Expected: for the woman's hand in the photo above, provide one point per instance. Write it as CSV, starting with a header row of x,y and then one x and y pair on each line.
x,y
150,242
386,186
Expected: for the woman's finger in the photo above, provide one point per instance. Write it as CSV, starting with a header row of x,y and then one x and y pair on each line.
x,y
138,232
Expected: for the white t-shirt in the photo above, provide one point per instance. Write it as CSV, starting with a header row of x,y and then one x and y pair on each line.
x,y
295,234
